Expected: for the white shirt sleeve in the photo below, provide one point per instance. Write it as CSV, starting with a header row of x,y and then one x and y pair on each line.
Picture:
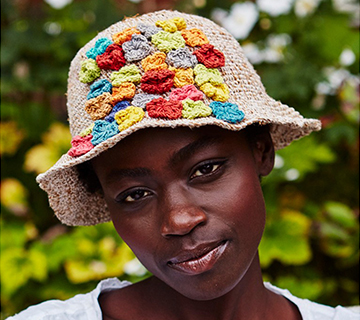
x,y
80,307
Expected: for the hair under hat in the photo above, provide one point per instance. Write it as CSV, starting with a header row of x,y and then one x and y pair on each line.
x,y
162,69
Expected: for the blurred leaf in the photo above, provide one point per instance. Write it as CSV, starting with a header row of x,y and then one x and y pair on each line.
x,y
14,196
56,142
11,137
341,214
302,288
286,239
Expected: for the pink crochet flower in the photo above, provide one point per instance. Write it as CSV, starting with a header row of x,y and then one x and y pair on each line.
x,y
80,145
186,92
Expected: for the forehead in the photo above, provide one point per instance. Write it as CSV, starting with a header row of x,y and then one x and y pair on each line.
x,y
149,142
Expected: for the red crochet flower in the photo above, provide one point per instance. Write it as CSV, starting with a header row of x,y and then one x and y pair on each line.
x,y
157,82
161,108
112,58
209,56
80,145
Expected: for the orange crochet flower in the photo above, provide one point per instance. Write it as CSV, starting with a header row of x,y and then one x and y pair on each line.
x,y
125,91
194,37
99,107
183,77
125,35
155,62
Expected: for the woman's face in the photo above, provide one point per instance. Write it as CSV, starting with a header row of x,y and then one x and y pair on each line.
x,y
188,203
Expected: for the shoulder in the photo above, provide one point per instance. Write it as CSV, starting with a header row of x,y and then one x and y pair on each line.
x,y
314,311
80,307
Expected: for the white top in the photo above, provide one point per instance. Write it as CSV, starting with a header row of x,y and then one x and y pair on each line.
x,y
86,306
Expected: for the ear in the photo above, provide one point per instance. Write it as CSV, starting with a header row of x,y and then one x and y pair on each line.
x,y
264,153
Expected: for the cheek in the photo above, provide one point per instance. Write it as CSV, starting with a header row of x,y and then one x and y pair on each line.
x,y
139,235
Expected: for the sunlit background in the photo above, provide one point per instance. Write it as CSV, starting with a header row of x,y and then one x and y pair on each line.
x,y
307,54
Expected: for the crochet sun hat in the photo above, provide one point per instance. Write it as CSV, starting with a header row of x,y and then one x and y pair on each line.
x,y
162,69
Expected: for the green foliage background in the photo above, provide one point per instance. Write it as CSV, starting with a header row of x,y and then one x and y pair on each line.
x,y
310,245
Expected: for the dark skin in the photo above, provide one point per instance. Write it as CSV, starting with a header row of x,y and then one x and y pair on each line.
x,y
189,204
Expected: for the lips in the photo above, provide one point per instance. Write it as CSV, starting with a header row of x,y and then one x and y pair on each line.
x,y
198,260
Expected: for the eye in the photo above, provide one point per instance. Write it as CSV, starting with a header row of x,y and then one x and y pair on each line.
x,y
206,169
133,196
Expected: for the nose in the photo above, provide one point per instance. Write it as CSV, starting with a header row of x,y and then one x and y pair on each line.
x,y
181,218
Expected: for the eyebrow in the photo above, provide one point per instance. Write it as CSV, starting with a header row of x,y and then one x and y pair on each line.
x,y
192,148
116,175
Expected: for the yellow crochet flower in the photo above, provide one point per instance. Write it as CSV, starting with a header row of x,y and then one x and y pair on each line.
x,y
172,25
218,92
127,117
183,77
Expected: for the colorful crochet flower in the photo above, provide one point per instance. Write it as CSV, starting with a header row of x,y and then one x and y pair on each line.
x,y
218,92
89,71
194,37
99,107
141,99
227,111
137,48
204,75
80,146
99,48
125,91
154,62
103,130
130,73
195,109
166,41
183,77
161,108
157,82
119,106
182,58
99,87
186,92
209,56
127,117
113,58
172,25
125,35
148,30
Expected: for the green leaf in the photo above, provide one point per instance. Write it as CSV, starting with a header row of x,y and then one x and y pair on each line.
x,y
341,214
286,239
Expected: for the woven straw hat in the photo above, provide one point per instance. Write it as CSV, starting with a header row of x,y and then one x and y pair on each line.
x,y
68,197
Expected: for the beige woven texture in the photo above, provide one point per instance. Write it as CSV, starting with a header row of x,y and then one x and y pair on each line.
x,y
73,205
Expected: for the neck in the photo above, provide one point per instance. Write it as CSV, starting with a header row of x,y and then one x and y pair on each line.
x,y
247,300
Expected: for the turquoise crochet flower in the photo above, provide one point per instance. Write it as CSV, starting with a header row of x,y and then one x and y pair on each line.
x,y
103,130
227,111
99,87
99,48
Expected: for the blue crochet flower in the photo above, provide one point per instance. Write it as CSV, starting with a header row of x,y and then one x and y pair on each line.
x,y
119,106
99,87
99,48
103,130
227,111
